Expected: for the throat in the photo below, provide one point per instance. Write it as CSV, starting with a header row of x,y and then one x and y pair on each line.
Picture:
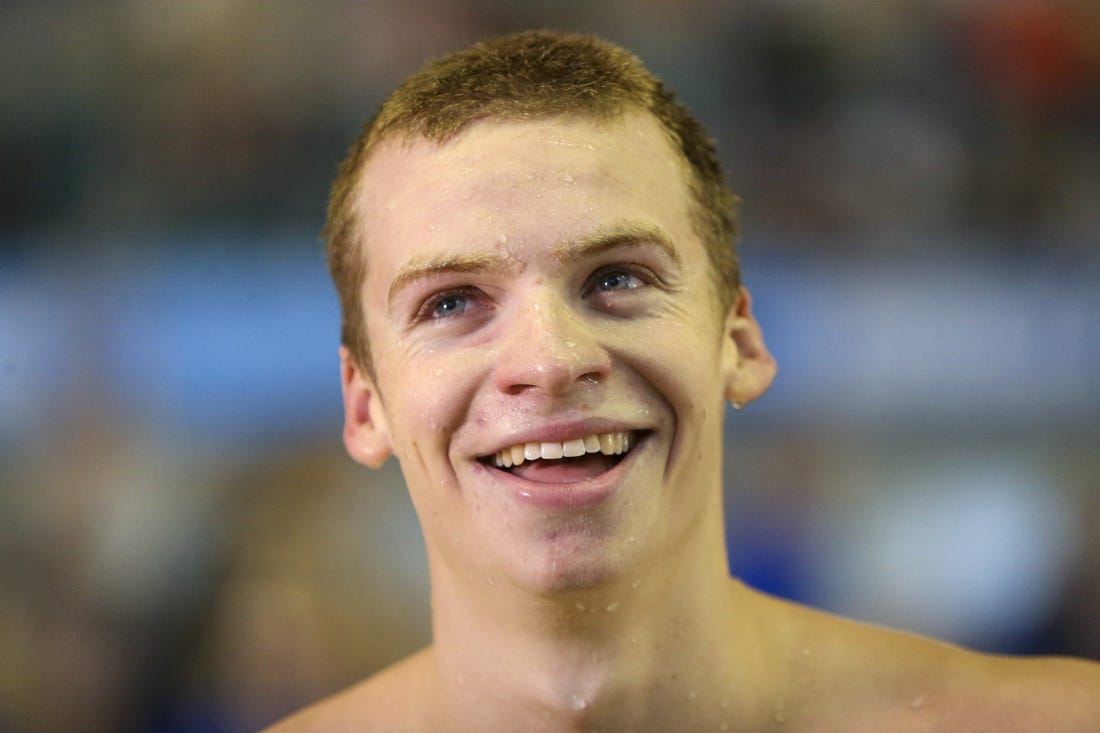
x,y
566,470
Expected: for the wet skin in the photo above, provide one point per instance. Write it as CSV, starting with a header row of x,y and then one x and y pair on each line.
x,y
542,282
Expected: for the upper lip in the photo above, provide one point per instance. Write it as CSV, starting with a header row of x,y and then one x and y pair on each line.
x,y
559,432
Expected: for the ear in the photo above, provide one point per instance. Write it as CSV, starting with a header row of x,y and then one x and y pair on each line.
x,y
748,365
366,430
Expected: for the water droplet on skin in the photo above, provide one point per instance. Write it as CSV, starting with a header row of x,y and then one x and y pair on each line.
x,y
567,178
806,651
779,717
579,606
916,702
724,726
692,695
578,702
611,607
725,703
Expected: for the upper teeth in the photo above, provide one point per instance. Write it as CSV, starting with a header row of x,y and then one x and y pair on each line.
x,y
610,444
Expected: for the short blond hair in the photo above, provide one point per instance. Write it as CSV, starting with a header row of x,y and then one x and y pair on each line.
x,y
534,74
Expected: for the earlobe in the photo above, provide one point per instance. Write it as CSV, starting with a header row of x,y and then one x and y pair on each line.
x,y
748,365
366,430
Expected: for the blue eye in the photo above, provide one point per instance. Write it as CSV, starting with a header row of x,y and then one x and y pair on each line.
x,y
449,304
618,280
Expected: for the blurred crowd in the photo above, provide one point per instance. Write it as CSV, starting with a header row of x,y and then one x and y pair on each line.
x,y
841,121
167,575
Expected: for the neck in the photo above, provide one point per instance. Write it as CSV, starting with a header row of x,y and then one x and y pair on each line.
x,y
668,645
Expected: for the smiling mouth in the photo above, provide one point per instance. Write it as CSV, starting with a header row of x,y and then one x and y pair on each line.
x,y
560,462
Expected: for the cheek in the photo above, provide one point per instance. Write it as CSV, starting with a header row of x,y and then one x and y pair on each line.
x,y
431,394
678,345
683,366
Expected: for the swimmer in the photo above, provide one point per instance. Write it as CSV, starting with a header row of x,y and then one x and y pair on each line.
x,y
543,321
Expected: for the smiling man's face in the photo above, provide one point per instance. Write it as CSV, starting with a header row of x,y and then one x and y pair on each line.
x,y
550,362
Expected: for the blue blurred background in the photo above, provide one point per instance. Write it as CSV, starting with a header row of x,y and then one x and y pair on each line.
x,y
184,546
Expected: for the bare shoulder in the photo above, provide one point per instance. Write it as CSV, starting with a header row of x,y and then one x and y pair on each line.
x,y
893,680
1048,693
383,702
948,688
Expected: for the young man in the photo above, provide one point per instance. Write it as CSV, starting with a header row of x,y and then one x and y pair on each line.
x,y
543,320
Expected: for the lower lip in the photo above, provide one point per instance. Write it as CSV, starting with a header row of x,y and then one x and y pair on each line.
x,y
573,496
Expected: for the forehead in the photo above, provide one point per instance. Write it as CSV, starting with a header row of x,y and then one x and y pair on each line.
x,y
501,184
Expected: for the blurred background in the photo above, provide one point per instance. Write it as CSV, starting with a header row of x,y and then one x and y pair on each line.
x,y
184,547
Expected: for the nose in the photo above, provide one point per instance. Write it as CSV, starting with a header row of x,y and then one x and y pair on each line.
x,y
550,347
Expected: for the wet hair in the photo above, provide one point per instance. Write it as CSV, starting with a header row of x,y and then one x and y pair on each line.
x,y
521,76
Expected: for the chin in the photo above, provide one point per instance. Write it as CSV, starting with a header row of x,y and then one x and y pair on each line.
x,y
575,562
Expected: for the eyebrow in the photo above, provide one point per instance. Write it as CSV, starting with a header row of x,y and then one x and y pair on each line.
x,y
620,235
425,267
